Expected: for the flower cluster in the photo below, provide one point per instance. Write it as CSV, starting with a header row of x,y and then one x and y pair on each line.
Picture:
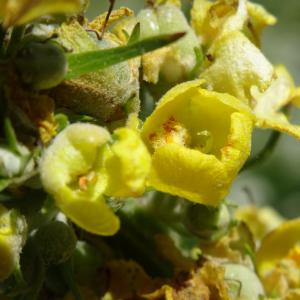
x,y
122,137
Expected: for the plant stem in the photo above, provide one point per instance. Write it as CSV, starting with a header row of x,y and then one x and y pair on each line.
x,y
15,38
265,152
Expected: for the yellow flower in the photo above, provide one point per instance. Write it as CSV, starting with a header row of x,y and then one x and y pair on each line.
x,y
17,12
278,260
199,141
277,245
13,231
84,163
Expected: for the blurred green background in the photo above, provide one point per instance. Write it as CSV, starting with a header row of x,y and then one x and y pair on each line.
x,y
276,182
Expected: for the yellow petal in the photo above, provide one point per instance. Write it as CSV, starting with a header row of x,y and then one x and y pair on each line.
x,y
189,174
259,18
277,95
267,105
127,164
277,244
279,122
238,144
234,65
199,140
260,220
296,97
18,12
93,216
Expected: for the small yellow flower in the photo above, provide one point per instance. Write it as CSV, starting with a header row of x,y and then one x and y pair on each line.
x,y
84,163
278,244
278,261
199,141
18,12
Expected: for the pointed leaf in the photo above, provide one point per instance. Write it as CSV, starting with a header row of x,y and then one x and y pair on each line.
x,y
85,62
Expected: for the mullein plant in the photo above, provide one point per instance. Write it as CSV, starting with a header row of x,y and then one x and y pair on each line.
x,y
120,139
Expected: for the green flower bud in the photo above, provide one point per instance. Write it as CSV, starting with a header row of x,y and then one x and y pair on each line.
x,y
102,94
13,230
56,242
176,62
12,164
242,282
208,223
41,64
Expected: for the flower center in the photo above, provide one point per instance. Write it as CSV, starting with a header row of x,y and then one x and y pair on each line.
x,y
173,131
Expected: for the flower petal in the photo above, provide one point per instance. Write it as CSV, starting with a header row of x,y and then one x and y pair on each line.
x,y
277,244
127,165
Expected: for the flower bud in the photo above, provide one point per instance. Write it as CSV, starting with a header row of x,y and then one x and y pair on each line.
x,y
56,242
13,230
208,223
173,63
41,64
12,164
243,282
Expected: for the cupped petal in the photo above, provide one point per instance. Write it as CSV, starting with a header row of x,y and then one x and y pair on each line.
x,y
17,12
238,147
277,244
127,164
189,173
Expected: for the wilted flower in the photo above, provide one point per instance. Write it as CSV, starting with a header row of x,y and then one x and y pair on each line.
x,y
211,19
199,140
234,65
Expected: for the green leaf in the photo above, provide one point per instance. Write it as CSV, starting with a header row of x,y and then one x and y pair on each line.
x,y
91,61
135,35
199,60
10,136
